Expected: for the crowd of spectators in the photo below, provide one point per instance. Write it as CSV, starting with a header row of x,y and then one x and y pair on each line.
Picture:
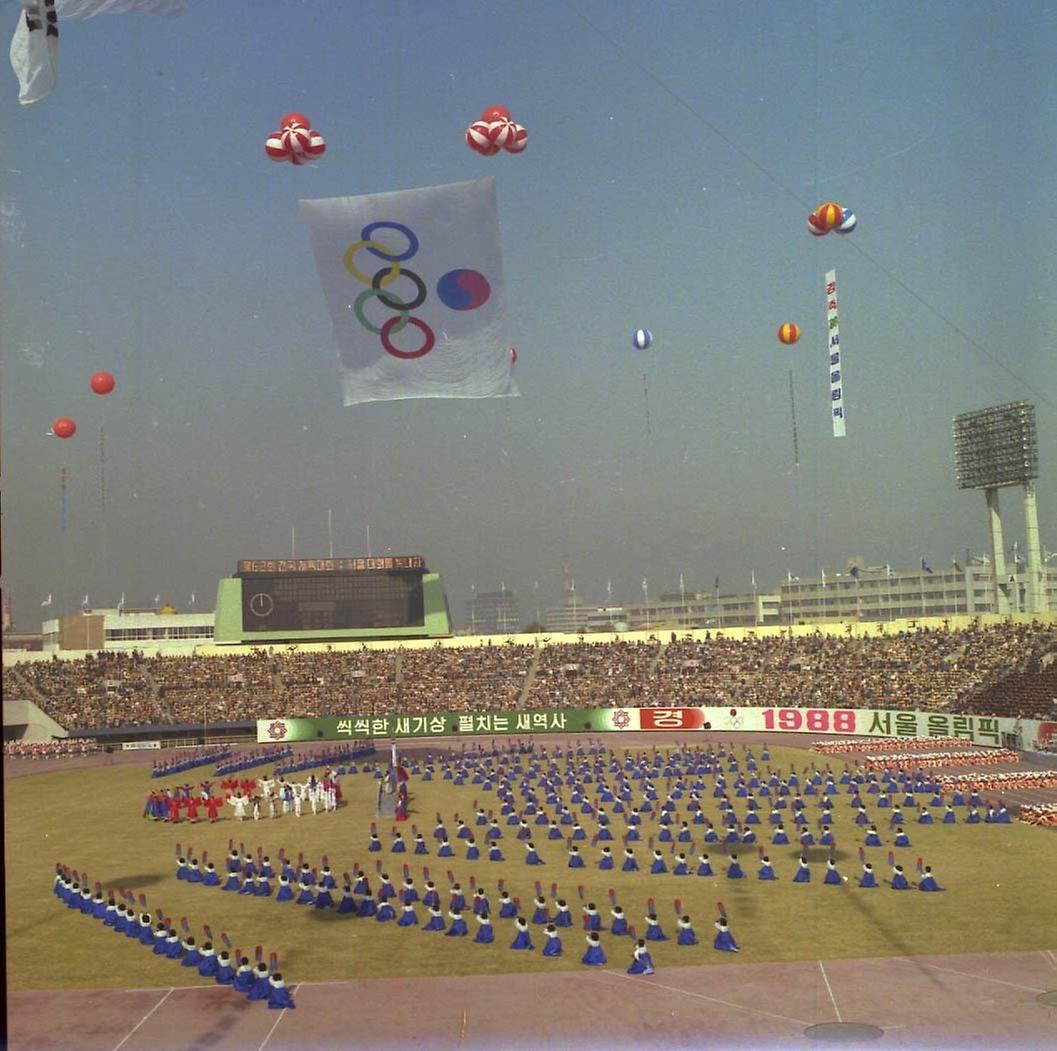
x,y
50,749
929,670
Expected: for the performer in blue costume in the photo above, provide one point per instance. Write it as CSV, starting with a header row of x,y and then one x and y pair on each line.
x,y
803,872
553,944
902,839
630,864
436,920
243,982
899,880
928,881
563,918
225,971
619,926
868,878
833,877
686,932
507,906
734,870
704,867
485,935
279,997
641,961
654,933
522,938
531,857
724,940
408,916
766,869
592,918
594,956
458,928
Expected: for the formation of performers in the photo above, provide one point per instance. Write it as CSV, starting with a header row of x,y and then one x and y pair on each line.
x,y
249,798
230,967
254,874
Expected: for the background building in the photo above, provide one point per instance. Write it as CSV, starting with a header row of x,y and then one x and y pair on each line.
x,y
493,613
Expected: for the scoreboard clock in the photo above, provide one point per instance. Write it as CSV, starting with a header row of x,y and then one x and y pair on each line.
x,y
331,593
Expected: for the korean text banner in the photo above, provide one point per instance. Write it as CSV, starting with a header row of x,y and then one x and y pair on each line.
x,y
850,722
413,280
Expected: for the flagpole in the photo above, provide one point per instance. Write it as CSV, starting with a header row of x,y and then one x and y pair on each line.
x,y
330,532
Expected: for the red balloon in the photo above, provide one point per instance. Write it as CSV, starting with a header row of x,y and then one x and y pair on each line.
x,y
495,113
63,427
290,119
513,355
102,382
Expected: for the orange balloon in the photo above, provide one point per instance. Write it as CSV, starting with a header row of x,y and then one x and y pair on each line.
x,y
829,215
788,333
64,427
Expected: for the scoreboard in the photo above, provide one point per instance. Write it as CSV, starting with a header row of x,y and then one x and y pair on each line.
x,y
328,594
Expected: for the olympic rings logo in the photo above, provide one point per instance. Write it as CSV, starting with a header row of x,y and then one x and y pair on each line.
x,y
381,279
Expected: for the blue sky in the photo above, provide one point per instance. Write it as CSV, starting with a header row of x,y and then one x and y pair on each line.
x,y
674,152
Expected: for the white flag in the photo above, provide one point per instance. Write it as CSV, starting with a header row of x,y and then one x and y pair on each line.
x,y
47,601
413,280
192,598
35,45
84,602
121,602
157,600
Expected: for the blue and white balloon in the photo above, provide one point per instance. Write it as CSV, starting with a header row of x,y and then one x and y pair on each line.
x,y
847,222
642,339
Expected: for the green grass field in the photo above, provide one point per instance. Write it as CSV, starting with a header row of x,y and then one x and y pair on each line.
x,y
999,881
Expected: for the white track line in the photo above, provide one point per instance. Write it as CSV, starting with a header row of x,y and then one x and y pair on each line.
x,y
1049,955
712,999
274,1024
144,1018
966,974
829,989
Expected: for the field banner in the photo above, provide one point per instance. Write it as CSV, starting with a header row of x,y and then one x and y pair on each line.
x,y
136,746
843,722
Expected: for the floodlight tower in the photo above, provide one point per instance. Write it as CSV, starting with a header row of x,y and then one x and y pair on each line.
x,y
999,447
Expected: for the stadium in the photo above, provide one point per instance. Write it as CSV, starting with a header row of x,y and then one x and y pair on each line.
x,y
592,464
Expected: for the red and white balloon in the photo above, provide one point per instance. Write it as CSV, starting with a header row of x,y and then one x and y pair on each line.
x,y
295,141
495,131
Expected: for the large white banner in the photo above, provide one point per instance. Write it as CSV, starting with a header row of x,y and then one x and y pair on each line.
x,y
413,280
836,368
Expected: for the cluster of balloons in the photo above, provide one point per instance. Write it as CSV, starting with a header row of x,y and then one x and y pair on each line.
x,y
495,131
295,141
101,383
642,339
788,333
831,216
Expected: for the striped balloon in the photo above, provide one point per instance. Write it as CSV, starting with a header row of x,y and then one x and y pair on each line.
x,y
829,215
642,339
303,143
276,148
495,113
294,120
477,137
847,223
518,140
788,333
813,226
501,132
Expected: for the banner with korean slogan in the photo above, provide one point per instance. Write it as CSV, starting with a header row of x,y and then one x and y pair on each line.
x,y
413,280
985,730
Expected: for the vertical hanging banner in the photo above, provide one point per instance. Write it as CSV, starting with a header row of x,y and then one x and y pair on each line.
x,y
413,281
836,369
